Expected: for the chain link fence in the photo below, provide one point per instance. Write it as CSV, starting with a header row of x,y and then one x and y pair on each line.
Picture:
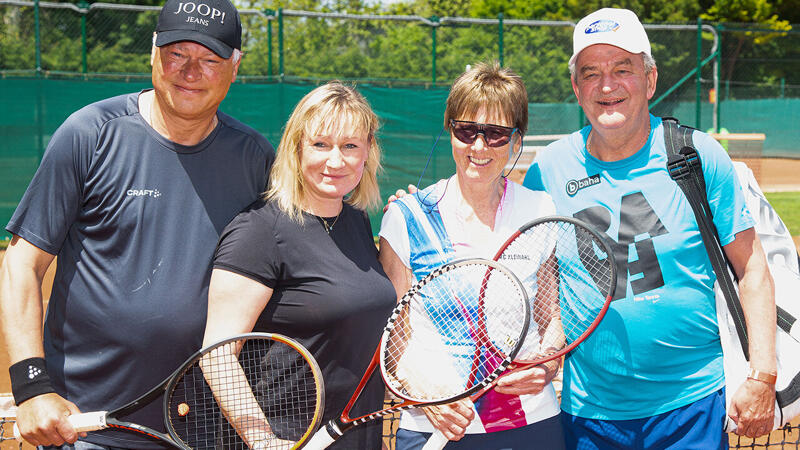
x,y
748,80
113,41
758,63
58,57
101,39
714,77
756,84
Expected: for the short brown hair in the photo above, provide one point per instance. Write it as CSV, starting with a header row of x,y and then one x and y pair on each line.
x,y
498,89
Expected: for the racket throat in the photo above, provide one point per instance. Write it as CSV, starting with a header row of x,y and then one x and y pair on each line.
x,y
335,430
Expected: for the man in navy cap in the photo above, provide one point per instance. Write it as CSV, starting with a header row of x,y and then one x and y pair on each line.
x,y
131,195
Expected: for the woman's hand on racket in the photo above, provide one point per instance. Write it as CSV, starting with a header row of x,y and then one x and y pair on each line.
x,y
528,381
452,419
42,420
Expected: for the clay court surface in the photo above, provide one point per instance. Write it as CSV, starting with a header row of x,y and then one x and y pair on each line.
x,y
773,175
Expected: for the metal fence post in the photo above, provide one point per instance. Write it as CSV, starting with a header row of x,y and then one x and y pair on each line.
x,y
37,37
84,6
280,43
500,36
699,87
718,67
435,25
270,15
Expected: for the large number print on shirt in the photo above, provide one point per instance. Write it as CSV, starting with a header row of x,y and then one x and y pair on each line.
x,y
633,248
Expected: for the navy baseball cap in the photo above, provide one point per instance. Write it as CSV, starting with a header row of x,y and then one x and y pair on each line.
x,y
214,24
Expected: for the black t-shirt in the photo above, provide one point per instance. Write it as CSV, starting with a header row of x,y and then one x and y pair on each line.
x,y
134,219
329,293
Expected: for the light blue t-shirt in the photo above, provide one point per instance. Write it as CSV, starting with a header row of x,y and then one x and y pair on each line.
x,y
658,346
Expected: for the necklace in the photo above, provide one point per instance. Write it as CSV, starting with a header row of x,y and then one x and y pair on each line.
x,y
588,141
329,226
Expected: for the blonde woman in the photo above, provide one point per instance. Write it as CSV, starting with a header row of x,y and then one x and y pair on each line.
x,y
471,214
302,261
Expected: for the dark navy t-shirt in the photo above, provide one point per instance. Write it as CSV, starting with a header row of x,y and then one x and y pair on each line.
x,y
133,219
330,293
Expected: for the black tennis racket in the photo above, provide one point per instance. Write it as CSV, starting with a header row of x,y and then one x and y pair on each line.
x,y
569,274
450,334
255,390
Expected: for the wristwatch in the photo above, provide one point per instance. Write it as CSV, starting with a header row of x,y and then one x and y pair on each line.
x,y
765,377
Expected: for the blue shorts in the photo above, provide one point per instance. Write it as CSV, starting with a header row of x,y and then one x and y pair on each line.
x,y
698,425
545,435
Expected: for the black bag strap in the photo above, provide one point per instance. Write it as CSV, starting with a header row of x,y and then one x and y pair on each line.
x,y
685,167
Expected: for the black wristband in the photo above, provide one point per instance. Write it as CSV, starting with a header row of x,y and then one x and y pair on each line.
x,y
29,378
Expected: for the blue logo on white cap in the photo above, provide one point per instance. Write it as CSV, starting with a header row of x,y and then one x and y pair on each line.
x,y
601,26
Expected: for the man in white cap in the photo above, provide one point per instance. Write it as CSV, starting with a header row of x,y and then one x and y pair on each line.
x,y
131,195
651,375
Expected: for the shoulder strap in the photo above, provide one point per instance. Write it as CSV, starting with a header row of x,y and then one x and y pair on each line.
x,y
685,167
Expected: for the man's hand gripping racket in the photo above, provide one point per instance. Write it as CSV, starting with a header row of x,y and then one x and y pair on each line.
x,y
569,273
450,335
256,390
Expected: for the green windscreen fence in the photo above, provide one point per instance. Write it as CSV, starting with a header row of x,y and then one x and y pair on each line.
x,y
32,108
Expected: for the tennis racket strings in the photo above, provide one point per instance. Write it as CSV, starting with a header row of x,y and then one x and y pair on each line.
x,y
569,273
454,332
247,393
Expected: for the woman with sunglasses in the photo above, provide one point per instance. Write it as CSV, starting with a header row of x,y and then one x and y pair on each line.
x,y
470,214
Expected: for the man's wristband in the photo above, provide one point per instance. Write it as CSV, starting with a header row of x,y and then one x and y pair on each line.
x,y
29,378
764,377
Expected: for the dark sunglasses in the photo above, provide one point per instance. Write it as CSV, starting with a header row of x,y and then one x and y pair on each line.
x,y
494,135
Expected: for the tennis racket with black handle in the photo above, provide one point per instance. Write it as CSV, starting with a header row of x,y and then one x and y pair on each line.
x,y
451,334
255,390
570,274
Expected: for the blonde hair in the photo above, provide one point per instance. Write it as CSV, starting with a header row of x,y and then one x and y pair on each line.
x,y
327,107
498,89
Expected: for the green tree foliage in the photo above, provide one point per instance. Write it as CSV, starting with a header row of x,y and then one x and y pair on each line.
x,y
322,48
17,50
788,10
741,48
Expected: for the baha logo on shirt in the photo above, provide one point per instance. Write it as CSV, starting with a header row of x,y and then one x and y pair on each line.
x,y
573,186
601,26
154,193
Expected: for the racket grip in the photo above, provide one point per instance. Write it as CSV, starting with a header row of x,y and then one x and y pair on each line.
x,y
730,426
91,421
437,441
320,441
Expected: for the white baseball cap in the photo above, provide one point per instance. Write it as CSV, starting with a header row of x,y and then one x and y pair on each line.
x,y
618,27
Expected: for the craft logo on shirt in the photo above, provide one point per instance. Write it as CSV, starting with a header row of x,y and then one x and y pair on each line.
x,y
155,193
601,26
573,186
